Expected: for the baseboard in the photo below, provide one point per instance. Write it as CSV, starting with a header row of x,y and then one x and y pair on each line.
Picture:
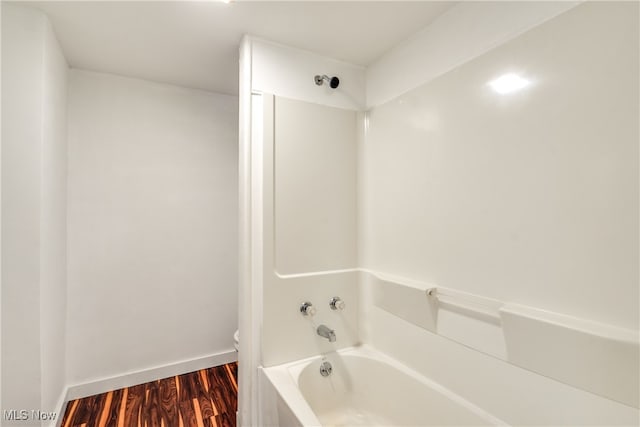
x,y
104,385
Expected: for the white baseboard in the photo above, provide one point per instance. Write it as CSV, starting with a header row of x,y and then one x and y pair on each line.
x,y
104,385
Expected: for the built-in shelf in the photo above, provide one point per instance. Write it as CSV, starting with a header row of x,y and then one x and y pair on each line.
x,y
481,307
599,358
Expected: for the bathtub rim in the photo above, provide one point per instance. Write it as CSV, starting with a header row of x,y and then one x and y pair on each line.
x,y
285,380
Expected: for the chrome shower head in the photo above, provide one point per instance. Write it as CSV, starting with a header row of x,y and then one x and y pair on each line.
x,y
333,81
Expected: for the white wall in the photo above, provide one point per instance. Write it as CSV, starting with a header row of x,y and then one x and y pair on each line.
x,y
530,198
53,261
33,211
22,33
152,225
462,33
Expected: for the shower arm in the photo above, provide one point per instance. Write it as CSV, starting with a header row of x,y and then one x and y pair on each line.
x,y
333,81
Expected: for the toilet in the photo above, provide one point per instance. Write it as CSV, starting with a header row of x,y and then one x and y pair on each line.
x,y
236,339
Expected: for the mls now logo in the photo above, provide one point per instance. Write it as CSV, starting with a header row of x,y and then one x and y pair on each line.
x,y
24,415
43,416
16,415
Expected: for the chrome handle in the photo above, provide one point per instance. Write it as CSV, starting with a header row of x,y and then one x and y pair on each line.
x,y
307,309
336,303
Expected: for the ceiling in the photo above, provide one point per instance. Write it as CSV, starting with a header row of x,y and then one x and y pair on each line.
x,y
195,43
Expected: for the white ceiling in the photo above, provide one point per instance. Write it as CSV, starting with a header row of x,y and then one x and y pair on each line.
x,y
195,43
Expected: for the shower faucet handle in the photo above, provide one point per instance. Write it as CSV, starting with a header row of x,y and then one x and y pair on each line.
x,y
336,303
307,309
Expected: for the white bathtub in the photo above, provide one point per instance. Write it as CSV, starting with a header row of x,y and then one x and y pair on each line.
x,y
366,388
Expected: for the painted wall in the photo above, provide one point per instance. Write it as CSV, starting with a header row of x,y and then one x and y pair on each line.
x,y
53,261
529,198
33,212
152,225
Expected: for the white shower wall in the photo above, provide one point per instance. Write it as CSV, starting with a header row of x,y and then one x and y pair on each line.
x,y
314,187
530,197
289,72
465,31
311,235
152,225
271,327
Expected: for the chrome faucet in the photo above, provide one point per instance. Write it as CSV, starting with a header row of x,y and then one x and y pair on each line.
x,y
327,333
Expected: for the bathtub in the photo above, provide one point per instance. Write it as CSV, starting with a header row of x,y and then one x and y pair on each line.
x,y
365,388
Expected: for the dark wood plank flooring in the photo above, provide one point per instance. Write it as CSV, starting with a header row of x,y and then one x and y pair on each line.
x,y
206,398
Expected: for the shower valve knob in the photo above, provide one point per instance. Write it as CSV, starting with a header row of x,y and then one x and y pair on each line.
x,y
307,309
336,303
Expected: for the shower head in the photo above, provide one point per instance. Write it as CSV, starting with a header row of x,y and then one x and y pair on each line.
x,y
333,81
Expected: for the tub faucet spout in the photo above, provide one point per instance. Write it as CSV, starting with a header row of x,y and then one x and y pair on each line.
x,y
327,333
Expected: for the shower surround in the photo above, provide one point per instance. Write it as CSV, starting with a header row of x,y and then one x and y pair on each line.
x,y
486,224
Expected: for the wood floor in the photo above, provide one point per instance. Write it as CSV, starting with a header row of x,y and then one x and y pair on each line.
x,y
206,398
